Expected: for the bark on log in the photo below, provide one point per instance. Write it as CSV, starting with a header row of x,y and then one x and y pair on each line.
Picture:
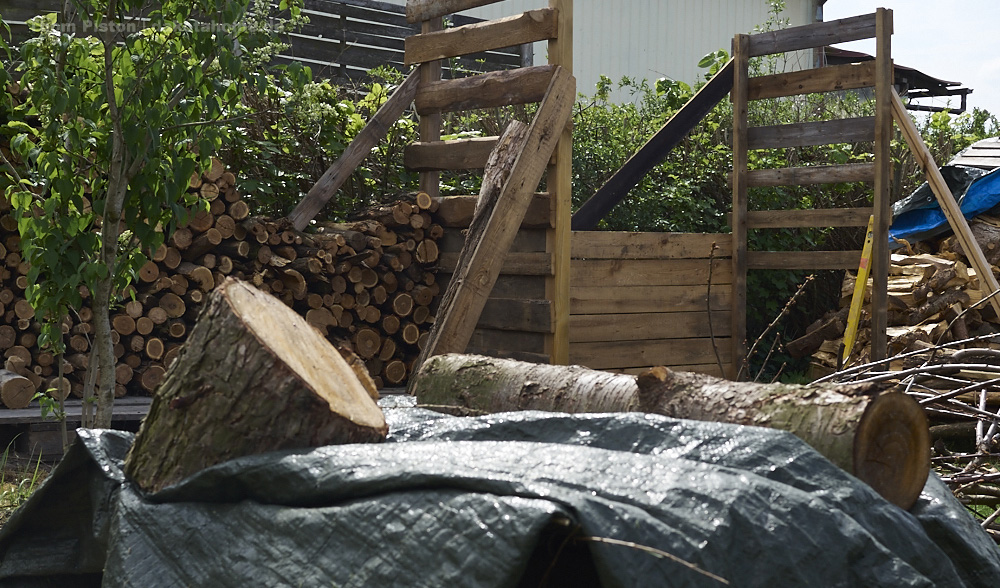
x,y
245,385
881,438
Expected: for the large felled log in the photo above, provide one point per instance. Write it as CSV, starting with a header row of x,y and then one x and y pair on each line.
x,y
880,438
254,377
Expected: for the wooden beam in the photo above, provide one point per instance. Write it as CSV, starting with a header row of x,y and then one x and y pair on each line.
x,y
819,34
624,245
498,88
624,354
654,151
419,10
739,97
504,203
881,205
528,27
811,218
826,132
803,260
360,147
641,327
507,314
514,264
430,123
650,272
446,155
810,81
457,211
818,174
618,300
988,282
560,185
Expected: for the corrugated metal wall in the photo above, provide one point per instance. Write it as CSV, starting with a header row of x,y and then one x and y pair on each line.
x,y
651,39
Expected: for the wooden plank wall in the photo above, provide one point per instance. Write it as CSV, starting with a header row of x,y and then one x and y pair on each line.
x,y
342,41
644,299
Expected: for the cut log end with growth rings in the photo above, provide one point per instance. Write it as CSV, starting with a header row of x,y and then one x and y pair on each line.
x,y
254,377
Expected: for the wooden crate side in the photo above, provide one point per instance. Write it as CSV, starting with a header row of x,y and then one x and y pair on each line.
x,y
648,325
604,355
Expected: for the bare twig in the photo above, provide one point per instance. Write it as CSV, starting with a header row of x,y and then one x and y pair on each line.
x,y
656,552
784,312
708,308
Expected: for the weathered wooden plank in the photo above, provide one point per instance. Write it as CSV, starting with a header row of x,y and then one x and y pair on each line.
x,y
651,325
817,174
456,211
988,282
488,90
511,314
447,155
809,36
481,260
418,10
625,354
882,192
509,286
360,147
809,81
526,241
803,260
847,130
648,272
636,299
977,160
785,219
495,339
528,27
625,245
654,151
521,264
738,96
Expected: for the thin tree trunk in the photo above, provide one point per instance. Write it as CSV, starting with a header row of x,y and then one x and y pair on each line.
x,y
882,438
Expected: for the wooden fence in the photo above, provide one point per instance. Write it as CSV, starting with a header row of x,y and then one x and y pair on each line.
x,y
342,41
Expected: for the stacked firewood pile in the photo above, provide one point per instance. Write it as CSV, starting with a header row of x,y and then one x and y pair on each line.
x,y
366,285
934,298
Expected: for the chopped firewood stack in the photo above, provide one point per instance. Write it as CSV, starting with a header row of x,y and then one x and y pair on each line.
x,y
366,285
934,298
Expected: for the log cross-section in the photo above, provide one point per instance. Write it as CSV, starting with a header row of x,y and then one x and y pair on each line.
x,y
254,377
360,147
504,201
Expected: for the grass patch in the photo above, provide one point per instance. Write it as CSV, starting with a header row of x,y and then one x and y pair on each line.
x,y
17,481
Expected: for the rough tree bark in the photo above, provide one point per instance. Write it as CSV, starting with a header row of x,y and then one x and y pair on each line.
x,y
254,377
882,438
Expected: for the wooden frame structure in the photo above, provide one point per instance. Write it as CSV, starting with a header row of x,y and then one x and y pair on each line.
x,y
877,75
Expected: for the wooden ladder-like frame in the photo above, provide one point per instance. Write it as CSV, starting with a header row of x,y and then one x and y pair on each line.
x,y
877,75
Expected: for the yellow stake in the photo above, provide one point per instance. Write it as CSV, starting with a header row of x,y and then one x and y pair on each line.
x,y
854,316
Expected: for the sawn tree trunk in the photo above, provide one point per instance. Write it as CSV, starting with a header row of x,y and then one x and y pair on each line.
x,y
882,438
253,377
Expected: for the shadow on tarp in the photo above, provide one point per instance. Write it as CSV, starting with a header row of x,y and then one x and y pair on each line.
x,y
515,499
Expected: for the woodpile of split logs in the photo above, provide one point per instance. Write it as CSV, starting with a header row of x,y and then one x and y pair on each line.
x,y
934,298
367,285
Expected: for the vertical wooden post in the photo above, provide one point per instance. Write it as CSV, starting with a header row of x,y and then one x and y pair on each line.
x,y
560,188
739,97
430,124
883,173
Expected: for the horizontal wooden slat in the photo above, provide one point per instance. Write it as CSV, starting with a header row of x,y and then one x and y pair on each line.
x,y
508,314
636,299
418,10
640,327
977,160
492,339
528,27
809,36
648,272
622,245
447,155
522,264
817,174
521,287
625,354
803,260
809,81
711,369
847,130
499,88
787,219
526,241
457,211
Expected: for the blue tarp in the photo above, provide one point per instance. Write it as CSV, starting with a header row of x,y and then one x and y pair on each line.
x,y
919,216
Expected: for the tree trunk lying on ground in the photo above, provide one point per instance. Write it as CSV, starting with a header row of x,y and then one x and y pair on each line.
x,y
253,377
882,438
